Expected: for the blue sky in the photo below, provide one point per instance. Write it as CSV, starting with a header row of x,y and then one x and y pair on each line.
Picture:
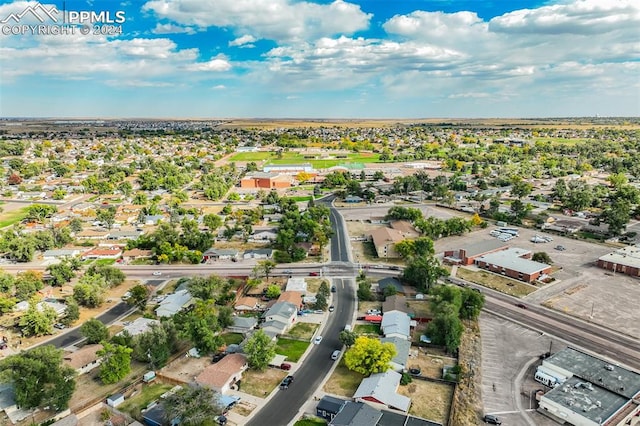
x,y
327,59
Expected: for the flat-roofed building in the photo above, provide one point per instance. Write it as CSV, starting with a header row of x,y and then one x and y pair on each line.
x,y
513,263
625,260
466,255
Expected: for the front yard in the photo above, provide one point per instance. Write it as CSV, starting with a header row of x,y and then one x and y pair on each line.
x,y
343,382
261,383
303,330
292,349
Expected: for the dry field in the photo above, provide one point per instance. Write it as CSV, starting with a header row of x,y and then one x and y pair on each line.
x,y
185,369
429,400
261,383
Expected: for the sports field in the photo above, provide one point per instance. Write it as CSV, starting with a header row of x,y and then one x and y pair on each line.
x,y
317,160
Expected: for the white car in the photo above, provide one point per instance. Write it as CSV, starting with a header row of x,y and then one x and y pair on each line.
x,y
157,273
317,340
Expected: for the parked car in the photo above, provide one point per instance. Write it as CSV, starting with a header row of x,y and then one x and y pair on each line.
x,y
59,326
333,289
286,382
285,366
491,419
335,355
332,308
157,273
560,248
317,340
521,305
373,312
217,357
313,274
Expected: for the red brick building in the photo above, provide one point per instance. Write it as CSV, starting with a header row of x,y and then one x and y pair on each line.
x,y
625,261
467,255
514,263
265,181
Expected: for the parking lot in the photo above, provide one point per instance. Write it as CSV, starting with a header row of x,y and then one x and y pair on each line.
x,y
509,352
581,289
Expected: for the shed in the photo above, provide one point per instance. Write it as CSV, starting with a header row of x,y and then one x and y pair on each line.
x,y
115,400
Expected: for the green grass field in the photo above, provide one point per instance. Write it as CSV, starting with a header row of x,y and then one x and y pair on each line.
x,y
367,329
149,394
298,158
232,338
310,422
12,217
292,349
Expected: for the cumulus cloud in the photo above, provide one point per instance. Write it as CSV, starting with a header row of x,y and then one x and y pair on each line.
x,y
280,20
217,64
244,40
172,29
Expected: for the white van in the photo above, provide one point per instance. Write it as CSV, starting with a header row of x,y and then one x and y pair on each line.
x,y
347,327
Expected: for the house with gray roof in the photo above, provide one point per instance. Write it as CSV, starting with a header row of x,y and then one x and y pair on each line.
x,y
356,414
219,254
174,303
258,254
403,347
139,326
381,389
396,324
279,318
243,324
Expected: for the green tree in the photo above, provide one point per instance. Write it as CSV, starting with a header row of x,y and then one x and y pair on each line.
x,y
90,291
40,378
205,288
61,273
7,304
347,338
542,257
364,291
75,225
472,303
40,212
617,216
369,356
71,312
266,266
139,296
37,322
7,282
446,328
27,283
94,331
423,272
116,362
260,349
156,345
273,291
113,276
201,326
193,405
321,302
324,289
212,221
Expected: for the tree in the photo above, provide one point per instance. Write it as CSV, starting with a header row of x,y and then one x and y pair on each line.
x,y
364,291
155,345
27,283
94,331
113,276
347,338
369,356
421,246
267,266
139,296
39,212
40,379
7,282
37,321
472,303
116,362
542,257
423,272
617,216
324,289
273,291
321,302
201,327
71,312
212,221
107,216
205,288
90,291
446,328
7,304
75,225
61,273
193,405
260,349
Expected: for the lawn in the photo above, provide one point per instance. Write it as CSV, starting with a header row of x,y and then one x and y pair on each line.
x,y
343,382
367,329
232,338
496,282
303,330
292,349
261,383
310,422
313,284
104,262
12,217
147,395
298,158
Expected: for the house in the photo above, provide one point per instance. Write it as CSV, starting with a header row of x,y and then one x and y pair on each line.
x,y
102,253
514,263
155,416
247,304
150,220
352,199
356,414
384,240
258,254
243,324
466,256
396,324
388,282
84,359
139,326
70,420
380,388
264,180
329,407
404,226
293,297
213,254
296,284
284,312
58,307
124,234
397,302
58,254
403,347
174,303
222,375
625,260
266,235
136,254
92,234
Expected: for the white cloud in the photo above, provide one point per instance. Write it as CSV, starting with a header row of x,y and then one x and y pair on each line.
x,y
172,29
217,64
219,87
281,20
246,39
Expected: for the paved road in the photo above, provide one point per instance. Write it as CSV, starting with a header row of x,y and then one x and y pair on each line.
x,y
73,336
285,405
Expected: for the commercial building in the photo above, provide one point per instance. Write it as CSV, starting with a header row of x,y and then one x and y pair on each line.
x,y
384,240
467,255
625,260
595,393
265,181
513,263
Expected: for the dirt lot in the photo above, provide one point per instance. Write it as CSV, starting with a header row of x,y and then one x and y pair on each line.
x,y
185,369
261,383
429,400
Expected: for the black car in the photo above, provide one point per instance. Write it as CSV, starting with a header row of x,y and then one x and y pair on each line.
x,y
491,419
333,289
286,382
217,357
414,371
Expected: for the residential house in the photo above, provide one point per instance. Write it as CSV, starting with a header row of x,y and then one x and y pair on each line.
x,y
403,348
139,326
263,236
93,234
58,307
243,325
381,388
84,359
356,414
384,240
214,254
102,253
124,234
174,303
393,282
129,256
293,297
279,318
258,254
329,407
397,302
222,375
151,220
54,255
396,324
247,304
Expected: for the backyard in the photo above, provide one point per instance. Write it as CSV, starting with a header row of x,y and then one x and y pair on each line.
x,y
142,397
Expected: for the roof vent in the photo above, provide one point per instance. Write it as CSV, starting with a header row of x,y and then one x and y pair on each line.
x,y
598,404
619,377
608,367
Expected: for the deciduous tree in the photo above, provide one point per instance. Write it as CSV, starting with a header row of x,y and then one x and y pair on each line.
x,y
193,405
368,356
260,349
94,331
116,362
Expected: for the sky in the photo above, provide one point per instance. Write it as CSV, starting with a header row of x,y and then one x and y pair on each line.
x,y
320,58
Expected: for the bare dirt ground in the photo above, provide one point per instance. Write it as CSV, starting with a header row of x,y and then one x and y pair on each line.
x,y
429,400
185,369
